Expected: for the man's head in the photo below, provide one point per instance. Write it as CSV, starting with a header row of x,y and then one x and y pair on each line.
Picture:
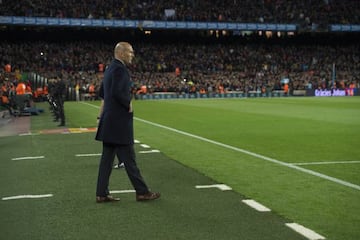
x,y
124,51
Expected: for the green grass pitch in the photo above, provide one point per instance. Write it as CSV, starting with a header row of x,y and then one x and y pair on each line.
x,y
297,156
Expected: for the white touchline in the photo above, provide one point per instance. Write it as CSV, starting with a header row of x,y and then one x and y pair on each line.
x,y
151,151
88,154
222,187
122,191
289,165
27,158
326,163
28,134
26,196
144,146
91,105
320,175
308,233
257,206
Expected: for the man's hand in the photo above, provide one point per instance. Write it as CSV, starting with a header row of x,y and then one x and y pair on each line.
x,y
130,108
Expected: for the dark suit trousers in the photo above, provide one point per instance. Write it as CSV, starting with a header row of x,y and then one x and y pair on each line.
x,y
127,155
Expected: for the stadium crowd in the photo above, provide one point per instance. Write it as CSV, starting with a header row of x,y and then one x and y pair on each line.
x,y
267,11
188,66
197,67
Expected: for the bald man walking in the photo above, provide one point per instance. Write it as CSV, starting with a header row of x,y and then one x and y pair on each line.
x,y
116,129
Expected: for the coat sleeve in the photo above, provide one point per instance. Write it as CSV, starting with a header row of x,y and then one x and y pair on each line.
x,y
101,90
120,89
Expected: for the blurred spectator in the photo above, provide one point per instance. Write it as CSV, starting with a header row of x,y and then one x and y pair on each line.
x,y
306,13
247,64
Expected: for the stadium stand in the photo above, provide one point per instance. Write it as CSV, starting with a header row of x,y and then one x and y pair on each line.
x,y
184,61
269,11
236,67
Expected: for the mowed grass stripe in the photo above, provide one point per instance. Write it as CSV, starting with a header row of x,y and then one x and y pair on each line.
x,y
327,208
249,153
293,166
288,138
280,136
183,212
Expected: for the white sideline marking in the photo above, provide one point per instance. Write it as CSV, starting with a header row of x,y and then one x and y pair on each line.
x,y
27,158
320,175
257,206
24,134
222,187
320,163
308,233
29,134
151,151
136,141
122,191
26,196
88,154
145,146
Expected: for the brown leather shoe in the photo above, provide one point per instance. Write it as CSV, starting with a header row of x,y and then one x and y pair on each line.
x,y
108,198
147,196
